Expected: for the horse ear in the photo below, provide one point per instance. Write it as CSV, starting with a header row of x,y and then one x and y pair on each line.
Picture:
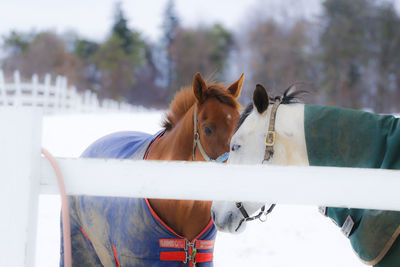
x,y
199,87
260,98
236,87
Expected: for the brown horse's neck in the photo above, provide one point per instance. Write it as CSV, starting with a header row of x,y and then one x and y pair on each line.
x,y
186,217
175,144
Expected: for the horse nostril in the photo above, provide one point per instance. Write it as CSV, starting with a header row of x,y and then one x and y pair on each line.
x,y
230,218
235,147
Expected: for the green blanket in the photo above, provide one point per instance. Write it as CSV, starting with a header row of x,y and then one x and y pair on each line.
x,y
349,138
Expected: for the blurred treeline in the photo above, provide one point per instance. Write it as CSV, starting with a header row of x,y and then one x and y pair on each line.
x,y
348,56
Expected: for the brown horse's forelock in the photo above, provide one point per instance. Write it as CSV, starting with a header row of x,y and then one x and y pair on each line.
x,y
185,99
222,95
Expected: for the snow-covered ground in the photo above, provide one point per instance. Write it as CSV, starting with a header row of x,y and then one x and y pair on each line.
x,y
292,236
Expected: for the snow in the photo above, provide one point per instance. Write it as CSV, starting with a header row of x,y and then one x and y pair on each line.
x,y
292,235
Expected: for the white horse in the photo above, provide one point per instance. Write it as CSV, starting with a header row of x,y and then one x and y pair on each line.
x,y
248,147
281,131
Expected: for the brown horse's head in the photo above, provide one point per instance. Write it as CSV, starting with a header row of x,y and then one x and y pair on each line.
x,y
215,110
217,113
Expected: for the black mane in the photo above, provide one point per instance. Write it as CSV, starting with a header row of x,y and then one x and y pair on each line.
x,y
294,97
244,115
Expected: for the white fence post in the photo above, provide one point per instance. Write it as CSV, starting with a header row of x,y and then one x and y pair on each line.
x,y
71,100
94,103
76,100
57,93
63,94
18,92
20,143
35,90
86,101
3,91
46,92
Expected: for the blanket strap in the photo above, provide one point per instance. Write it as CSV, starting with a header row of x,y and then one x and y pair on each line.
x,y
190,254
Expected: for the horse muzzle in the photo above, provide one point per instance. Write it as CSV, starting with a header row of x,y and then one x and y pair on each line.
x,y
226,220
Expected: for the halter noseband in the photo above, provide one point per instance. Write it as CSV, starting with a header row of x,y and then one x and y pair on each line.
x,y
262,215
197,142
269,153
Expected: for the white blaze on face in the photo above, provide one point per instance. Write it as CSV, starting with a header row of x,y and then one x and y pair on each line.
x,y
249,140
229,116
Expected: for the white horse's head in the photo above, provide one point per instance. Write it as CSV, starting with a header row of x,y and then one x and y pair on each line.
x,y
248,146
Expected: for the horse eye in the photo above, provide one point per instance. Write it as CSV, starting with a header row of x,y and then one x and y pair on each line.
x,y
235,147
207,131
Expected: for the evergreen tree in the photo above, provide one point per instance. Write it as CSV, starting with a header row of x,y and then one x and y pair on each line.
x,y
17,42
118,58
170,27
85,49
120,29
221,42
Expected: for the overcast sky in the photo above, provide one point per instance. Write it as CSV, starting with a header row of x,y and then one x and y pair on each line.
x,y
93,18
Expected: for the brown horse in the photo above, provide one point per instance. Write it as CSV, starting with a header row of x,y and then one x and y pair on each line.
x,y
156,232
216,109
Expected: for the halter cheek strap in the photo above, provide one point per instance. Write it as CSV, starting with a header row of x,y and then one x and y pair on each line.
x,y
197,143
271,134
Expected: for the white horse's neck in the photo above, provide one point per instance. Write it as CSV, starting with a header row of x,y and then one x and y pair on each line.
x,y
290,145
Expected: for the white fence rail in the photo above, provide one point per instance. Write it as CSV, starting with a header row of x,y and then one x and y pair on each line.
x,y
25,175
53,97
326,186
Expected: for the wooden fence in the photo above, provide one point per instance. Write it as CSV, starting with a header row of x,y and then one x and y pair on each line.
x,y
25,174
53,97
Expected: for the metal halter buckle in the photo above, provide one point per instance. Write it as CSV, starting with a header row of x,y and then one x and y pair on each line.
x,y
270,138
189,257
196,136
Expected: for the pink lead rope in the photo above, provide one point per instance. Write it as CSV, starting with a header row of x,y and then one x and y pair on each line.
x,y
64,209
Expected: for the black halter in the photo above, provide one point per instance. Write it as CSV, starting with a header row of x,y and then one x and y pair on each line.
x,y
269,152
262,215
